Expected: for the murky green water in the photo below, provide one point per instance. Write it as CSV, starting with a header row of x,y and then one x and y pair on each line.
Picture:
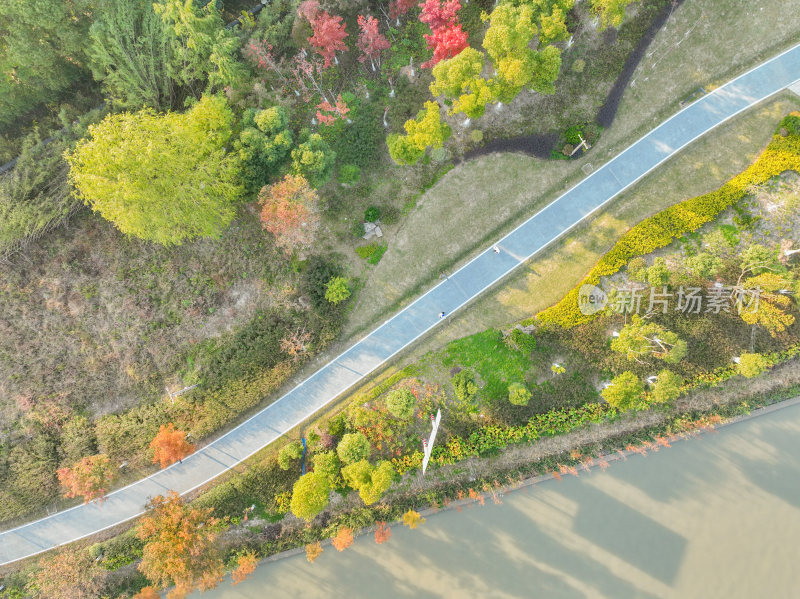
x,y
712,517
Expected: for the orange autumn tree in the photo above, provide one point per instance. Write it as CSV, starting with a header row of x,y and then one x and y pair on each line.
x,y
245,566
290,211
170,445
343,538
88,478
382,533
313,551
147,593
70,574
179,546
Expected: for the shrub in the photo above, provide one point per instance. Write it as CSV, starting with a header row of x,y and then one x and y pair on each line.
x,y
578,65
373,252
524,342
310,495
658,274
624,392
353,447
518,394
751,365
636,266
371,214
292,451
667,387
476,136
401,403
336,290
337,425
703,265
318,272
464,386
573,135
349,174
757,259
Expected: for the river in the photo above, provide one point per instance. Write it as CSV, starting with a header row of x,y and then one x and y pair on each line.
x,y
715,516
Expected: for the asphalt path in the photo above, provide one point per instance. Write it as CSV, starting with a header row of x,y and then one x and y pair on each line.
x,y
408,325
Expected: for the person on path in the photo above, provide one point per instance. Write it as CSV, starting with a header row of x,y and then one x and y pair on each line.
x,y
441,314
496,250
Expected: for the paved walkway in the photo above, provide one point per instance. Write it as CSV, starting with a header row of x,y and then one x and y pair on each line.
x,y
423,314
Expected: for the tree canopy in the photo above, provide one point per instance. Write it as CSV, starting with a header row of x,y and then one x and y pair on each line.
x,y
161,177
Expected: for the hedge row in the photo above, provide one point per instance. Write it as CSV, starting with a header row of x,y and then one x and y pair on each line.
x,y
782,154
491,438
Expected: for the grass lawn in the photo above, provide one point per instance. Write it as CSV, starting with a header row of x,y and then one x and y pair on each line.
x,y
496,363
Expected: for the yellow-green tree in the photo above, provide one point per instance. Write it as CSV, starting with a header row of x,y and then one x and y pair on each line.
x,y
611,12
507,42
371,481
310,495
751,365
459,78
161,177
760,302
624,392
427,130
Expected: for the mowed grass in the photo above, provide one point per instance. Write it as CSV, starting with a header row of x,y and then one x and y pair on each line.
x,y
480,200
487,354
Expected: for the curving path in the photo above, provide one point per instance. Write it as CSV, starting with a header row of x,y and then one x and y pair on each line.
x,y
409,324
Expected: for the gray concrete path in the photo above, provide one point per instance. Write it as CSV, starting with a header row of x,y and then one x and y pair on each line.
x,y
423,314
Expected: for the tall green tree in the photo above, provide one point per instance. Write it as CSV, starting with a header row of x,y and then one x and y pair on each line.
x,y
205,49
42,51
263,145
165,178
314,160
132,53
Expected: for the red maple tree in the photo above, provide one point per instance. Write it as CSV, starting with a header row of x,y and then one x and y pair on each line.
x,y
382,533
446,43
447,38
88,478
289,212
170,445
370,41
328,38
439,13
327,112
308,10
397,8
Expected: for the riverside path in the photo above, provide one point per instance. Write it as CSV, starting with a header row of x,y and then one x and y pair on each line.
x,y
408,325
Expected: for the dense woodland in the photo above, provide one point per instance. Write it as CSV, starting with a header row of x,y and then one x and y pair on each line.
x,y
215,163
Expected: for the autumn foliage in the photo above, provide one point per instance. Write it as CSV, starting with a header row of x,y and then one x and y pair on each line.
x,y
89,478
382,533
170,445
412,519
370,41
328,30
289,210
147,593
313,551
447,38
178,546
343,538
245,566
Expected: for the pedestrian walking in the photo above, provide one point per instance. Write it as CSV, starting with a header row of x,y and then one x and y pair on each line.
x,y
441,314
496,250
